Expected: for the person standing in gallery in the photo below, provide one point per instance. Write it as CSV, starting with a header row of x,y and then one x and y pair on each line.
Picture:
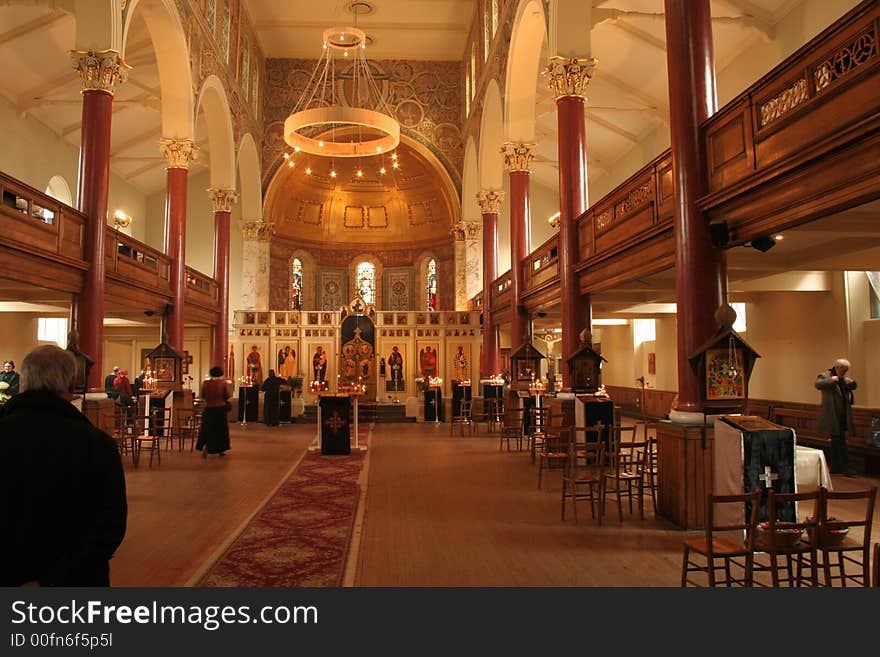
x,y
272,401
835,414
63,505
214,432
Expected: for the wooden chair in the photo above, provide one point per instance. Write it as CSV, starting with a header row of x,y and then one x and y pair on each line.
x,y
463,420
495,409
623,476
480,413
148,436
536,427
122,429
584,468
188,428
793,541
511,429
875,579
554,451
730,541
841,546
649,470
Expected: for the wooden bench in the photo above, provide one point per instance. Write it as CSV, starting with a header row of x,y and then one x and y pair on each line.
x,y
804,421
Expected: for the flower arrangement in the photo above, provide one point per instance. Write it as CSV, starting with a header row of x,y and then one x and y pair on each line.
x,y
295,382
421,384
3,396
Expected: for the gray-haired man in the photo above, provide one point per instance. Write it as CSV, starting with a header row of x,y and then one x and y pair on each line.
x,y
835,415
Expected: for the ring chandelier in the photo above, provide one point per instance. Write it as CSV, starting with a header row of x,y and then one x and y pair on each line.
x,y
323,124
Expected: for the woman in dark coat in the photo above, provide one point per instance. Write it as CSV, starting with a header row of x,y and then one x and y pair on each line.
x,y
272,401
214,432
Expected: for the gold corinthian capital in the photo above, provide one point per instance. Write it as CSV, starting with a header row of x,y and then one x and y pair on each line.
x,y
518,156
100,70
223,199
490,200
570,76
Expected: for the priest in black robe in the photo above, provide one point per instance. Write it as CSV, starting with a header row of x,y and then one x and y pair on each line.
x,y
272,401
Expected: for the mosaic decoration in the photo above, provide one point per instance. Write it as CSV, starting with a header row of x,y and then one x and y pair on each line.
x,y
426,98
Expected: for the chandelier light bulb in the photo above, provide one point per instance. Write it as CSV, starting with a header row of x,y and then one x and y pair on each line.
x,y
332,173
308,171
360,174
394,156
296,149
290,164
396,165
287,156
382,171
320,144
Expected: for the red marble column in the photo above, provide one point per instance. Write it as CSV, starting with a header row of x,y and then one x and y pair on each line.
x,y
700,271
223,200
569,77
100,72
178,153
517,158
490,202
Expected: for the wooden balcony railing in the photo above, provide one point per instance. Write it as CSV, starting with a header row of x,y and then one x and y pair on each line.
x,y
801,142
542,265
40,225
135,263
201,289
501,290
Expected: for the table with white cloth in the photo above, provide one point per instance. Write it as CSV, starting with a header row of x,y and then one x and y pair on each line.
x,y
811,469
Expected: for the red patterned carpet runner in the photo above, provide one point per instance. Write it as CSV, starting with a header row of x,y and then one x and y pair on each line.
x,y
301,537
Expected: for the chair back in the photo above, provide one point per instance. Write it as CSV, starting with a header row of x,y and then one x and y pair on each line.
x,y
777,534
832,528
721,521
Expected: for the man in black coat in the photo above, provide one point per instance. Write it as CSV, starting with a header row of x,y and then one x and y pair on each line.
x,y
109,381
62,488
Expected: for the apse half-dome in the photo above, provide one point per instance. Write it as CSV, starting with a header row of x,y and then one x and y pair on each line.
x,y
411,206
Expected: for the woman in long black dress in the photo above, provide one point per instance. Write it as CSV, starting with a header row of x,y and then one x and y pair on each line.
x,y
214,432
272,401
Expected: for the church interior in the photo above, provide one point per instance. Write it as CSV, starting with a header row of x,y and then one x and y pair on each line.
x,y
558,179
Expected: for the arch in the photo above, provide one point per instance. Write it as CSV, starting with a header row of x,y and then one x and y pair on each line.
x,y
59,190
249,179
492,138
527,40
221,143
172,57
470,184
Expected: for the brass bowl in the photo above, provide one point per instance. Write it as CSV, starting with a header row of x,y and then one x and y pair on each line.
x,y
786,536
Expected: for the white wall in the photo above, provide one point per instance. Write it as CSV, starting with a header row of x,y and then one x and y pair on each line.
x,y
32,153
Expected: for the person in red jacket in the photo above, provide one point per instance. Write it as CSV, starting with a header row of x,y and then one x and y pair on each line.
x,y
214,432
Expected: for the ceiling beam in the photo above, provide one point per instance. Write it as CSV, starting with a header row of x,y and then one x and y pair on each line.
x,y
658,108
613,128
645,37
152,133
43,22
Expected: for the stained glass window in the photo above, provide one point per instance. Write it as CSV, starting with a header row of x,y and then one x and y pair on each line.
x,y
431,284
224,32
366,282
211,13
296,284
495,13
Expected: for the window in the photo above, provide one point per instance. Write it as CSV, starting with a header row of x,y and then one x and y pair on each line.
x,y
874,292
431,284
644,330
366,282
52,329
473,72
467,94
296,284
739,325
487,29
495,14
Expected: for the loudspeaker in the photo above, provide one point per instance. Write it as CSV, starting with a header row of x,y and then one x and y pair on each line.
x,y
169,308
719,233
763,243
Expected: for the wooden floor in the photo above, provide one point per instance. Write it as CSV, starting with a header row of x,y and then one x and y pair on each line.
x,y
438,511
